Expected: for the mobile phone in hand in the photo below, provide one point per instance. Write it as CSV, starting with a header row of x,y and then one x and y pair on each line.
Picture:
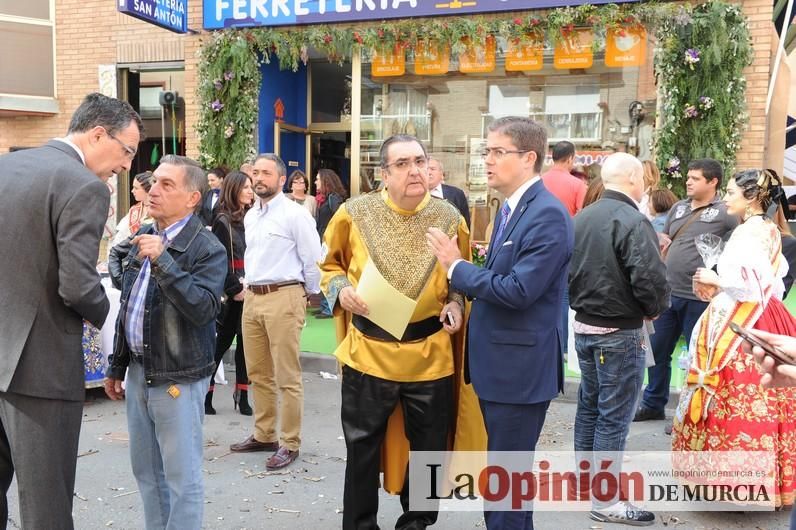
x,y
770,350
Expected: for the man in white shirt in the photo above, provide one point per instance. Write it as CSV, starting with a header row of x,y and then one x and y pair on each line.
x,y
282,252
438,188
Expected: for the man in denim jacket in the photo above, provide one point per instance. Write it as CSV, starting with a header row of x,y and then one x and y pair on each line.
x,y
171,276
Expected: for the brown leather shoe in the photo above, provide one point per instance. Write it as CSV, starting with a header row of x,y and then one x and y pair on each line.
x,y
250,445
280,459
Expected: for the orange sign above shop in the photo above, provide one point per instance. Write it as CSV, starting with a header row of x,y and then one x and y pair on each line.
x,y
625,47
388,62
478,58
431,59
524,57
574,49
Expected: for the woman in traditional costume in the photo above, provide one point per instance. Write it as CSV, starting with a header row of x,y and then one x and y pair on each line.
x,y
722,406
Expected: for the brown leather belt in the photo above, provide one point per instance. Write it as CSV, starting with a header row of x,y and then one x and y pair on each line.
x,y
271,287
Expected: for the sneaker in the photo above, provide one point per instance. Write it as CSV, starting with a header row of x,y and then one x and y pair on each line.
x,y
644,414
624,513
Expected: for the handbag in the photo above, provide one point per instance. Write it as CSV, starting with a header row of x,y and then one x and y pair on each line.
x,y
680,230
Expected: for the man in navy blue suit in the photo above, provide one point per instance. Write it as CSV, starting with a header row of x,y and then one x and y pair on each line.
x,y
514,334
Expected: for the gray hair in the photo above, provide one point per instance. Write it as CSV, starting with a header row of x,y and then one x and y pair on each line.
x,y
397,139
111,114
195,177
526,135
281,169
438,161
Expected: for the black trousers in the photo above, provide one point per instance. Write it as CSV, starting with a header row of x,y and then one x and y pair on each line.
x,y
227,326
367,403
38,442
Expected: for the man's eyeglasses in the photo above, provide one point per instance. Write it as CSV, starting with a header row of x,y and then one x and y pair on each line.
x,y
127,149
499,152
404,164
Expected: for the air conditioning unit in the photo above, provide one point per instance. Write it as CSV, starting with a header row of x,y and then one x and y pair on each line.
x,y
168,98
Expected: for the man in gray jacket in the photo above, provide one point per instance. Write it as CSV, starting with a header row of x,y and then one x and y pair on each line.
x,y
54,202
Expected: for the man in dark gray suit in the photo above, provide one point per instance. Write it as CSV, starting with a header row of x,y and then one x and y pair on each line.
x,y
55,203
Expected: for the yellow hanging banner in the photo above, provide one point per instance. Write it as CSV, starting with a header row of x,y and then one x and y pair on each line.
x,y
625,47
387,63
574,49
478,58
525,56
431,58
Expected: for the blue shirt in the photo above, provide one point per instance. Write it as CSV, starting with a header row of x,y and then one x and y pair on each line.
x,y
134,316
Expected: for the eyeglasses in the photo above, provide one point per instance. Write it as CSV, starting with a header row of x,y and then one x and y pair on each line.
x,y
499,152
127,149
404,164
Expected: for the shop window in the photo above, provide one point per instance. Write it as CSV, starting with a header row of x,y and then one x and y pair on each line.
x,y
331,92
451,113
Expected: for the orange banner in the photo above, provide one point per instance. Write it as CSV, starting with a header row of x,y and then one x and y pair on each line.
x,y
574,49
625,47
431,59
525,57
478,58
388,62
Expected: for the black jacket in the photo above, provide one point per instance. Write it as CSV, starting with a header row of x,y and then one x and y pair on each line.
x,y
326,212
789,251
616,276
457,197
182,300
223,228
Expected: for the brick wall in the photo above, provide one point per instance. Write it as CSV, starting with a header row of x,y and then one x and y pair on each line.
x,y
88,34
83,42
759,14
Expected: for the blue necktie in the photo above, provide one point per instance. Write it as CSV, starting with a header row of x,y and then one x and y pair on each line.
x,y
505,211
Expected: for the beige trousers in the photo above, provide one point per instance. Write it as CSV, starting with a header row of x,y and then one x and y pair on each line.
x,y
272,325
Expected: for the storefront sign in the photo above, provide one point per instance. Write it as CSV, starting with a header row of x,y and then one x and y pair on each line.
x,y
431,59
625,47
388,63
524,57
478,58
169,14
574,49
219,14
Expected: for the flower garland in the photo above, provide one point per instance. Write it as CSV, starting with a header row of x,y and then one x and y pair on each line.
x,y
229,66
699,67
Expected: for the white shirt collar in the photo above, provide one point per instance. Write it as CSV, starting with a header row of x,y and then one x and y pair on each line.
x,y
514,200
263,207
72,144
437,192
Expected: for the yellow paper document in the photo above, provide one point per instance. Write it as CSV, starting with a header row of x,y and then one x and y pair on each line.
x,y
389,308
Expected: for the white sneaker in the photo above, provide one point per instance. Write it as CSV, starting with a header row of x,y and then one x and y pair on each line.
x,y
625,513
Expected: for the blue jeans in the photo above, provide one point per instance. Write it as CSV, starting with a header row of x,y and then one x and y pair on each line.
x,y
680,318
612,372
166,450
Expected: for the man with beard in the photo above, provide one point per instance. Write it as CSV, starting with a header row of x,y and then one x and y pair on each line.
x,y
282,252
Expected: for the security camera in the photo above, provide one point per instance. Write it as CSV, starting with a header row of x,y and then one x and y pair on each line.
x,y
168,98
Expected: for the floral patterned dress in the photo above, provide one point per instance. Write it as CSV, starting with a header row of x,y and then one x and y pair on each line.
x,y
722,406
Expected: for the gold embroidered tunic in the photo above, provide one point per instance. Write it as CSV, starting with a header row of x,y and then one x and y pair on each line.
x,y
372,226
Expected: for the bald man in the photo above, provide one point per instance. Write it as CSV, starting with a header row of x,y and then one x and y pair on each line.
x,y
616,281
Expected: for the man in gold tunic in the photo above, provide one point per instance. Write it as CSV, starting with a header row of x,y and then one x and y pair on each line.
x,y
419,370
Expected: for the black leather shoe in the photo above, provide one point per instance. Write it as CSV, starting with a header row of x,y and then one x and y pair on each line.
x,y
209,410
250,445
644,414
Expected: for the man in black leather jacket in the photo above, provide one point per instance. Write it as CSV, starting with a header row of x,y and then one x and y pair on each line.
x,y
171,276
616,281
